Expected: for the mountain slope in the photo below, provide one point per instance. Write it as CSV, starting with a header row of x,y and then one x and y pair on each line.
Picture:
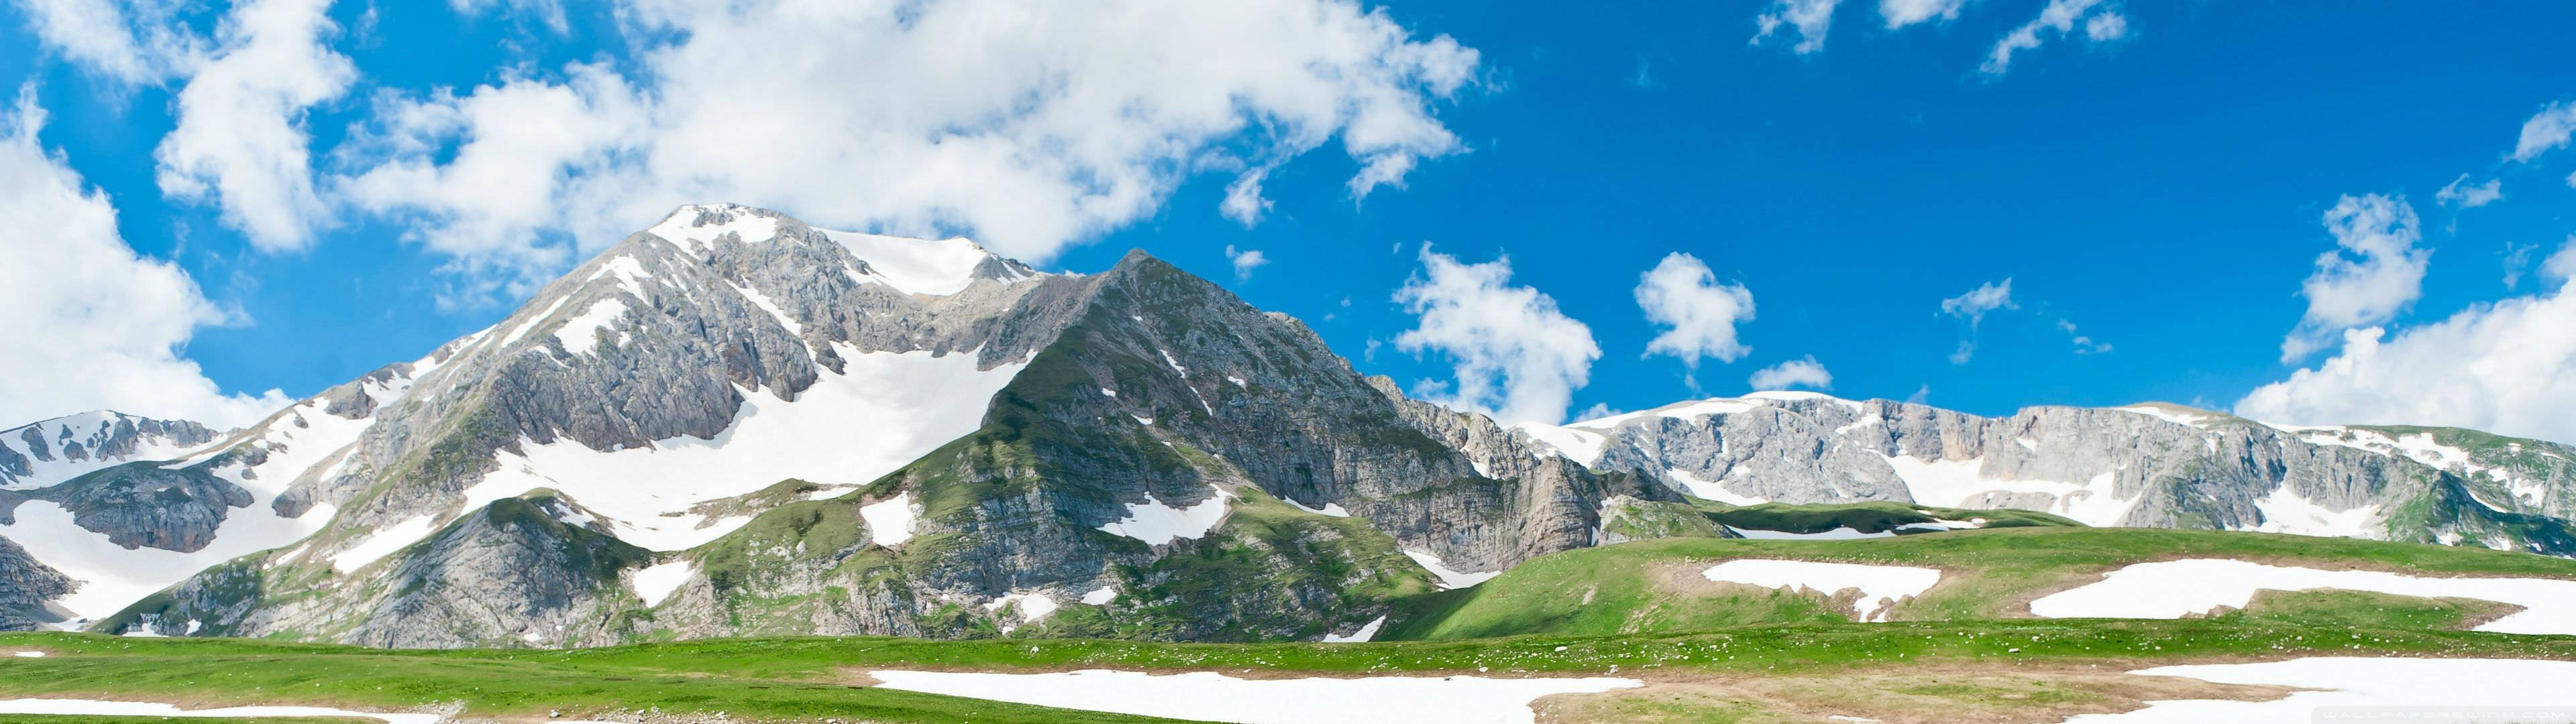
x,y
2152,465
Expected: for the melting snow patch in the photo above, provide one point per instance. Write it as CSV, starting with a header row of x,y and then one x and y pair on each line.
x,y
2174,415
2173,589
1331,509
1210,696
90,707
1842,533
1449,579
1364,634
1880,586
2460,690
1100,596
890,520
28,654
1708,490
1033,607
1157,523
581,333
382,543
656,582
936,267
1577,445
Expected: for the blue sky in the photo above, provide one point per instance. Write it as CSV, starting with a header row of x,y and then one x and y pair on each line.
x,y
2161,188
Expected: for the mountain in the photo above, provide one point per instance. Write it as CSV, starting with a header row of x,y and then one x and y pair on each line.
x,y
2151,465
733,423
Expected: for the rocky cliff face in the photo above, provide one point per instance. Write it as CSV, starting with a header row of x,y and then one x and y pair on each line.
x,y
2148,465
27,589
733,423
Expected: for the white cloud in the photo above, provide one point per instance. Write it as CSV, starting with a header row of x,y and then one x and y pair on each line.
x,y
1244,261
1243,201
1974,305
2548,129
2509,368
1030,125
102,36
92,325
1901,13
2561,266
2083,344
2057,18
1698,313
2374,272
240,137
2470,196
1804,372
1516,356
1811,18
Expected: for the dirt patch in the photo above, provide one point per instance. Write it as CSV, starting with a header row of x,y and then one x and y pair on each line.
x,y
1935,692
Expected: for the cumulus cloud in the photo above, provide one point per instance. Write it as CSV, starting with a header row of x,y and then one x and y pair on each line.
x,y
1698,313
2374,272
1901,13
2462,194
2102,23
240,138
1243,201
127,42
1244,261
92,324
2548,129
1803,372
1030,125
1516,357
2507,367
1810,18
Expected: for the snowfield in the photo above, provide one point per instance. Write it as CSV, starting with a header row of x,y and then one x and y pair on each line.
x,y
1211,696
1449,579
2174,589
1880,586
1158,523
890,520
848,429
2499,685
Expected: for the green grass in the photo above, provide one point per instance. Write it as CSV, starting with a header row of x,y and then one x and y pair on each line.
x,y
1988,574
1866,517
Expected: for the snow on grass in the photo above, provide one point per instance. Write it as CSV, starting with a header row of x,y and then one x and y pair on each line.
x,y
1159,523
92,707
2451,690
890,520
1449,579
1329,509
848,429
1580,446
1101,596
1881,587
1361,636
581,333
656,582
1210,696
936,267
383,542
1842,533
2174,589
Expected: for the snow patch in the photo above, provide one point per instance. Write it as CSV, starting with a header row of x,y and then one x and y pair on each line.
x,y
2176,415
1364,634
656,582
383,543
1580,446
1158,523
1707,490
1100,596
2173,589
2285,511
890,520
92,707
2393,687
1331,509
581,333
1881,587
1210,696
1449,579
935,267
1032,607
848,429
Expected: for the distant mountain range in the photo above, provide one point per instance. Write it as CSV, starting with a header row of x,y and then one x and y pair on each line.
x,y
733,423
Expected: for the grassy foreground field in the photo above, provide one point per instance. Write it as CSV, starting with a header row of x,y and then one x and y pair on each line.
x,y
1706,655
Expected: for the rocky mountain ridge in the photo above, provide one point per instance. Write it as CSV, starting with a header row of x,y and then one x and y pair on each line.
x,y
733,423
